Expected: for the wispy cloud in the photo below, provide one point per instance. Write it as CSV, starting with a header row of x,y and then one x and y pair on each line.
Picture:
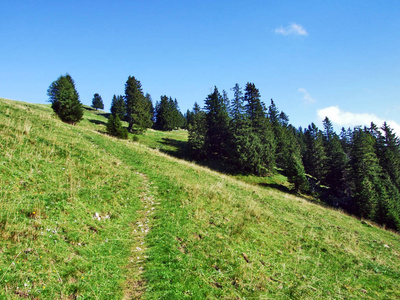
x,y
306,96
292,29
350,119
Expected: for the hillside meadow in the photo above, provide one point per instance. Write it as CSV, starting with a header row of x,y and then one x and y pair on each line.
x,y
87,216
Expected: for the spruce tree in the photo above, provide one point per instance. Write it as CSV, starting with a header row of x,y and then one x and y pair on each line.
x,y
97,102
151,107
314,156
118,107
217,120
261,138
366,174
197,133
114,127
336,162
65,100
388,151
137,106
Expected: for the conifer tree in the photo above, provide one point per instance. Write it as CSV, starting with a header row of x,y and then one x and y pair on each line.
x,y
388,151
118,107
217,120
137,106
151,107
258,147
168,115
65,100
314,156
336,163
197,133
114,127
366,174
97,102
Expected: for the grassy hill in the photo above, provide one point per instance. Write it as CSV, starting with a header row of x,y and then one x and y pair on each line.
x,y
84,215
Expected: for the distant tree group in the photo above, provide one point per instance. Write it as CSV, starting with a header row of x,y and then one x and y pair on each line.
x,y
97,102
134,107
168,115
359,167
244,134
65,100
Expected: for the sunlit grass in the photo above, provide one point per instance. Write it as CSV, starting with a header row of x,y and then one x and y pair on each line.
x,y
212,235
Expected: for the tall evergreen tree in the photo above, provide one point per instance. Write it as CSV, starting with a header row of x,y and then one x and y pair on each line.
x,y
137,106
237,104
65,99
151,107
118,107
217,119
336,163
97,102
366,174
388,151
259,147
314,156
197,133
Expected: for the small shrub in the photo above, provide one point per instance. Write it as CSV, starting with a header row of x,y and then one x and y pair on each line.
x,y
114,128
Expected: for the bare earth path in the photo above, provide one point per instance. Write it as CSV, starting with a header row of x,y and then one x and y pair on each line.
x,y
135,284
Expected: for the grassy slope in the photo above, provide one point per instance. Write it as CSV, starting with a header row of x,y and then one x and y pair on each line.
x,y
212,235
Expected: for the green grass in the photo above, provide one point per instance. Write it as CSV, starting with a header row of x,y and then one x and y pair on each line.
x,y
211,236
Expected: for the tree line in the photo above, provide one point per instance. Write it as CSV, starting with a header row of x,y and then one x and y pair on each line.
x,y
358,169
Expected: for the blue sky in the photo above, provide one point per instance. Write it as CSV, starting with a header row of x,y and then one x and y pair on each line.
x,y
314,58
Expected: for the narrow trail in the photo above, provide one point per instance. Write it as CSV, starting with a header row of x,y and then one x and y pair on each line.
x,y
135,284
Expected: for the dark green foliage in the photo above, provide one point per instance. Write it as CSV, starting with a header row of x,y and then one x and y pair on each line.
x,y
260,126
197,132
65,100
388,151
151,107
336,162
114,127
290,157
237,112
295,172
314,156
189,119
97,102
168,115
366,174
118,107
137,106
217,120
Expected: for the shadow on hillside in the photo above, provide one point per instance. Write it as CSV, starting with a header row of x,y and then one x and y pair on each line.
x,y
181,147
276,186
105,115
97,122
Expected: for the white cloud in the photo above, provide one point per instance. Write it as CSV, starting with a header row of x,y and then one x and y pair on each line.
x,y
306,96
350,119
292,29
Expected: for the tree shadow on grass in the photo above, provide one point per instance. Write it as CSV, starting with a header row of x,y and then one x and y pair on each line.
x,y
181,148
276,186
97,122
105,115
182,152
